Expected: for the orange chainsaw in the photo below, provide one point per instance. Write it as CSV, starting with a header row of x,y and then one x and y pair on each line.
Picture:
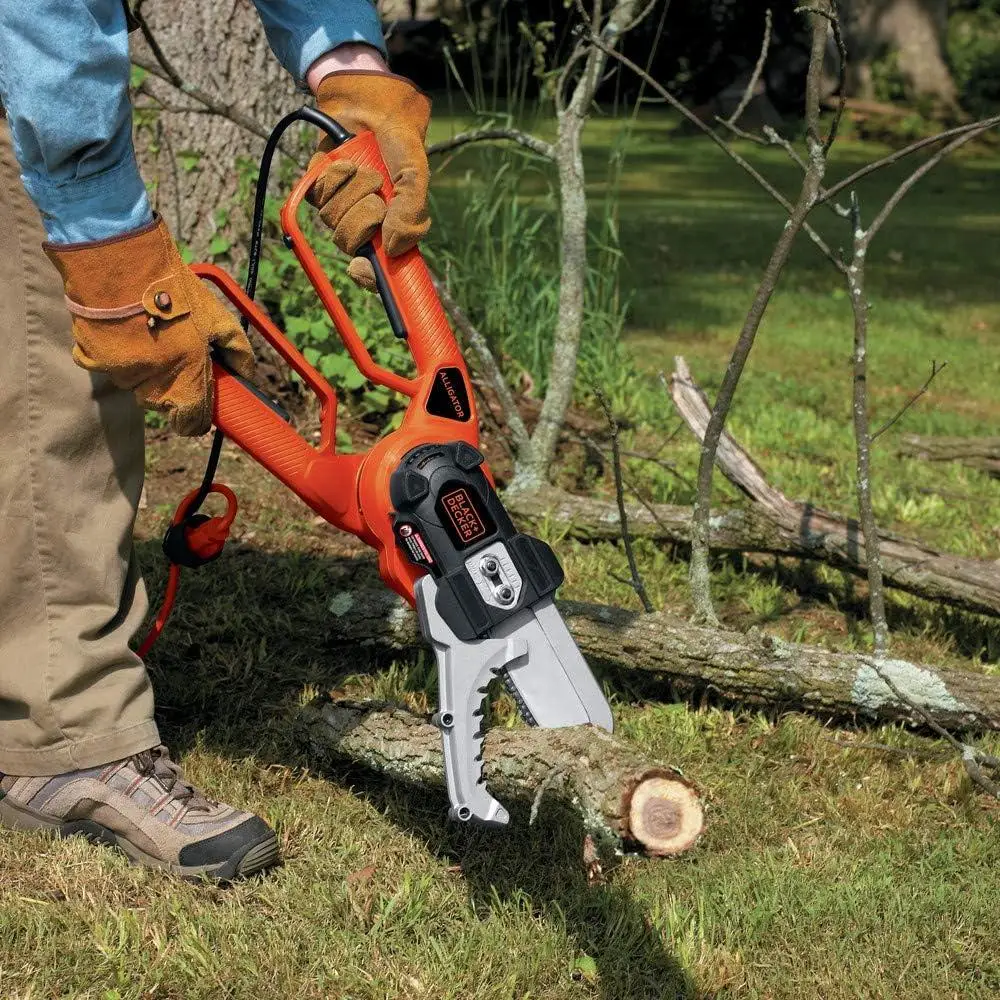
x,y
422,497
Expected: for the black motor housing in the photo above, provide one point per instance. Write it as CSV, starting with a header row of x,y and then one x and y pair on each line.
x,y
446,511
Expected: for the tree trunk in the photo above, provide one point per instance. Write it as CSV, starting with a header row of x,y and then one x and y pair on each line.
x,y
914,30
532,464
676,658
190,158
623,799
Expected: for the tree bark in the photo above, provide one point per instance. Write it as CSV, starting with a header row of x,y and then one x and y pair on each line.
x,y
190,158
676,658
976,453
624,800
914,30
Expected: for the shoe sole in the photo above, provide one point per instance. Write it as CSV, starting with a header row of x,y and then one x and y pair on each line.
x,y
253,857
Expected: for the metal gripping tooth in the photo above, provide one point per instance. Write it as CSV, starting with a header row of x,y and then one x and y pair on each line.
x,y
465,670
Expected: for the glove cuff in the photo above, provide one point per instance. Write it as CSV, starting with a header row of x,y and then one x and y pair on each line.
x,y
124,275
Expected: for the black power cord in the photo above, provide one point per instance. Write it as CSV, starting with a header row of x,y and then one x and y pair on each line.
x,y
339,135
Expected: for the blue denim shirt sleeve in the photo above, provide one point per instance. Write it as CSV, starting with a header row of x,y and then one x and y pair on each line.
x,y
64,71
300,31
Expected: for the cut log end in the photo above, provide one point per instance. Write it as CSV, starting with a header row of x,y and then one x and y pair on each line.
x,y
665,816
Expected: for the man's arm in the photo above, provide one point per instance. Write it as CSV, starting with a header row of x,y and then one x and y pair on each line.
x,y
64,73
300,33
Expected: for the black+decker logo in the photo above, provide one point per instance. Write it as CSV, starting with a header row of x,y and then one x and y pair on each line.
x,y
465,519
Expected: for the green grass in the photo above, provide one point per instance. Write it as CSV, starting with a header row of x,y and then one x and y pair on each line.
x,y
828,869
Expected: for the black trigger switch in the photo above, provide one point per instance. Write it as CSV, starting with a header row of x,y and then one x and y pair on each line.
x,y
467,458
415,487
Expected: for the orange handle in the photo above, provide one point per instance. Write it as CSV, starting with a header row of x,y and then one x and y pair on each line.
x,y
352,491
429,338
261,322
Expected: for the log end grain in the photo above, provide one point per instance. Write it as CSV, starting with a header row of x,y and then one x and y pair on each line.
x,y
665,816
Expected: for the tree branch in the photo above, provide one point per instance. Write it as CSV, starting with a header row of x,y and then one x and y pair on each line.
x,y
755,75
636,582
752,171
212,104
862,434
700,575
899,154
936,370
925,168
514,135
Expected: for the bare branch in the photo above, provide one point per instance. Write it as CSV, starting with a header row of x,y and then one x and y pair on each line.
x,y
838,37
701,532
213,104
814,75
755,75
706,129
636,582
862,434
894,157
925,168
936,370
741,133
813,87
514,135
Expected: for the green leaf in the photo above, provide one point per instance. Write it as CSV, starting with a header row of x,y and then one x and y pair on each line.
x,y
344,442
587,968
189,159
353,379
219,245
297,326
136,77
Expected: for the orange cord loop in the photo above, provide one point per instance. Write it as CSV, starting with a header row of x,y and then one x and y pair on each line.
x,y
191,540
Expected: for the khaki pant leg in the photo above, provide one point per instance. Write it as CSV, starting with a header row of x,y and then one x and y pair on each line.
x,y
72,694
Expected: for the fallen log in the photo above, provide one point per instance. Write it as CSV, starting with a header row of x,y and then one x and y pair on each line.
x,y
976,453
624,800
678,659
970,584
909,565
773,524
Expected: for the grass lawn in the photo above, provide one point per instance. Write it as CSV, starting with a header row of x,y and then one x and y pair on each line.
x,y
829,868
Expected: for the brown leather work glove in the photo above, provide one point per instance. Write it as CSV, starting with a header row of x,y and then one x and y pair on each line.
x,y
346,196
141,316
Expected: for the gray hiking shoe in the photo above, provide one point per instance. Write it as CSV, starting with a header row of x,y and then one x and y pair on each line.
x,y
144,806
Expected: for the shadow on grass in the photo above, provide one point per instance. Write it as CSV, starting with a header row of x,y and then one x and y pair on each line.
x,y
969,635
539,867
253,630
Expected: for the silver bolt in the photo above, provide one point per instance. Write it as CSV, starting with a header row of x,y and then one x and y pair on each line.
x,y
505,594
490,566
